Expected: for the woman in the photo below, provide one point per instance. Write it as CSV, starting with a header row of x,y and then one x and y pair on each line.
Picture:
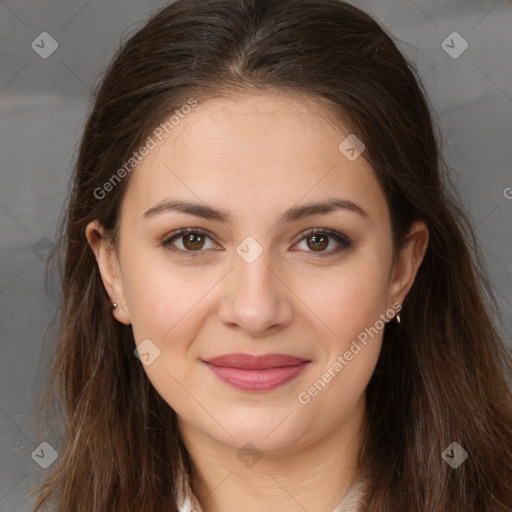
x,y
271,301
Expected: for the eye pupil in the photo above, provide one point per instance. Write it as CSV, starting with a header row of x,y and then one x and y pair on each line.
x,y
318,244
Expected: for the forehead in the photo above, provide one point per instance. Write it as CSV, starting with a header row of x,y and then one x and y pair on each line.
x,y
254,153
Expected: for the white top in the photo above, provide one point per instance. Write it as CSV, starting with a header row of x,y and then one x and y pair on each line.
x,y
187,501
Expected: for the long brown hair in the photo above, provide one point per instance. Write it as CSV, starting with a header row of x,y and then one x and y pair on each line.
x,y
443,372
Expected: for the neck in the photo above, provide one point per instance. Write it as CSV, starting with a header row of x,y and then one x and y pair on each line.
x,y
315,476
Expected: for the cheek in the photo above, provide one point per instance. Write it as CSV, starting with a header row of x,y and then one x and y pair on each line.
x,y
348,300
352,308
166,308
161,297
332,395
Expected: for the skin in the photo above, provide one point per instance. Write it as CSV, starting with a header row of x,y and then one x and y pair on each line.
x,y
257,155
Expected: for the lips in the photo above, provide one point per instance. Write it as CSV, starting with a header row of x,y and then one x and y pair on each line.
x,y
248,362
256,373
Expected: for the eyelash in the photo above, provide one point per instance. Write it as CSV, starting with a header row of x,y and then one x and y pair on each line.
x,y
343,240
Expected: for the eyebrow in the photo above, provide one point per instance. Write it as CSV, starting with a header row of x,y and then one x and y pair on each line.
x,y
293,214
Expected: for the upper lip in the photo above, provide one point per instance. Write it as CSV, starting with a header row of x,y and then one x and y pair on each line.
x,y
250,362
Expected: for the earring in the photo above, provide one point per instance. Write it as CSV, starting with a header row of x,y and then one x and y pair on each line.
x,y
398,318
114,305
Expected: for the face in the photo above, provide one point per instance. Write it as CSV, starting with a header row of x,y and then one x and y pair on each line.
x,y
260,272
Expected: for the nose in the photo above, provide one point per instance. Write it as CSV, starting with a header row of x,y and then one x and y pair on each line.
x,y
255,298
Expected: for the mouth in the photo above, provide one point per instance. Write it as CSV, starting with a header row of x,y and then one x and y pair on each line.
x,y
256,373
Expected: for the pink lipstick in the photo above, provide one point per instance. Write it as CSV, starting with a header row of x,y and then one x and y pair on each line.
x,y
256,373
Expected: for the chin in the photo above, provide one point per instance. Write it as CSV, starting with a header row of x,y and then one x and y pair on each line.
x,y
266,429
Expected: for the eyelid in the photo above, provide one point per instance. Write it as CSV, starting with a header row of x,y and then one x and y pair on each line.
x,y
167,241
325,231
344,241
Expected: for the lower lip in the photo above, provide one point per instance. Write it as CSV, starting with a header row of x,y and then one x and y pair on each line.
x,y
257,380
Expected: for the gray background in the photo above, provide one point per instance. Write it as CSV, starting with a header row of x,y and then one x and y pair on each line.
x,y
43,103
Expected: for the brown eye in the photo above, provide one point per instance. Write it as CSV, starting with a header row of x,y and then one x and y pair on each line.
x,y
318,242
193,241
189,242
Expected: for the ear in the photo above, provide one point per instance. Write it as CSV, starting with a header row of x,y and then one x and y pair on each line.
x,y
109,267
408,262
